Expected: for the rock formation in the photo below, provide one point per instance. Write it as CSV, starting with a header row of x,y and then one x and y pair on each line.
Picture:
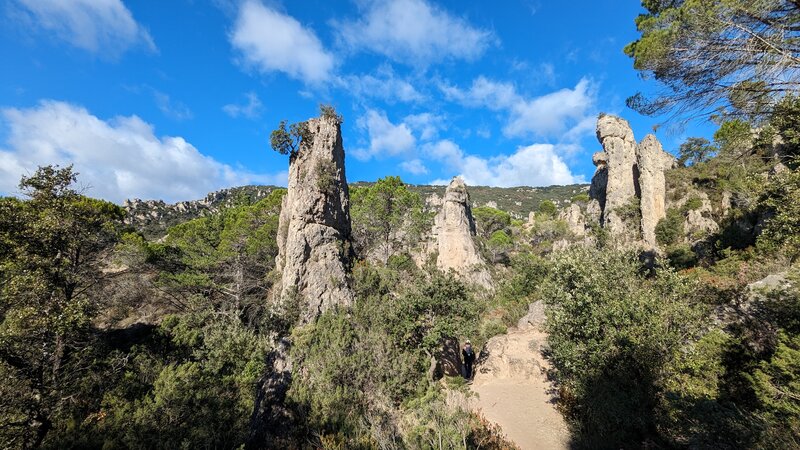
x,y
314,235
453,231
628,173
574,219
619,161
652,161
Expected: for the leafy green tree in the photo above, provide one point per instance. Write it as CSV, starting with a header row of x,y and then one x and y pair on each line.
x,y
53,247
737,56
490,220
387,217
734,138
499,243
786,120
695,150
781,204
548,208
288,141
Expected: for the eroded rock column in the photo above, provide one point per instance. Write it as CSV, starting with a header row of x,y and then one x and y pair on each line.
x,y
314,234
454,229
652,161
619,159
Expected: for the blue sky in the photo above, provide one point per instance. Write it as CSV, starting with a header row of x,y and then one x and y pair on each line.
x,y
174,99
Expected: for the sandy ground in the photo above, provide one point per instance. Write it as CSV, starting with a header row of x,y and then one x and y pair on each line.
x,y
514,393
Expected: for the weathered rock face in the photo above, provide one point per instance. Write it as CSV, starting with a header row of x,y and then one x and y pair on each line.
x,y
453,231
628,174
619,147
652,161
314,234
573,216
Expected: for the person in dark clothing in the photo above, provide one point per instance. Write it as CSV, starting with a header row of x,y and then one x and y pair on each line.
x,y
468,355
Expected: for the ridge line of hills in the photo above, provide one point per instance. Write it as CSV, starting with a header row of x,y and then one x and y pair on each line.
x,y
154,217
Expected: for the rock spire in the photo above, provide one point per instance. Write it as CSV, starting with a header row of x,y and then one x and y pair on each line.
x,y
314,232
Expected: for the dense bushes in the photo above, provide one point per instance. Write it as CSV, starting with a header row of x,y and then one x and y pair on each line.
x,y
612,333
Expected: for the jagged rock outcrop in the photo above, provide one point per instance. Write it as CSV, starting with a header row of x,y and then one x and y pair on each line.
x,y
573,217
628,176
453,232
619,160
652,161
314,234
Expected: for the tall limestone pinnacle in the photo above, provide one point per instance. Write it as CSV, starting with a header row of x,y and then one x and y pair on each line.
x,y
314,232
652,161
454,229
627,172
619,159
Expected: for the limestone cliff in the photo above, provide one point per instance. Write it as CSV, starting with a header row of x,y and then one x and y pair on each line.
x,y
453,232
314,234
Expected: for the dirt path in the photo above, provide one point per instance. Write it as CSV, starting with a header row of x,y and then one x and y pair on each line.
x,y
514,393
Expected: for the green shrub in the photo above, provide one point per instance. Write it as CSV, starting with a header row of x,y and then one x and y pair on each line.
x,y
548,208
490,220
692,204
681,256
669,230
612,333
582,197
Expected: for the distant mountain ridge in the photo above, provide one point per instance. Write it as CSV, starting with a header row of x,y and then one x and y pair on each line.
x,y
154,217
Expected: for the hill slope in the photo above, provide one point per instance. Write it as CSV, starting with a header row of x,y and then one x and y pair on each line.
x,y
154,217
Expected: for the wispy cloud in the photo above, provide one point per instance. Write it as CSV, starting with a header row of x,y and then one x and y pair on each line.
x,y
543,116
104,27
385,137
533,165
383,84
251,109
414,166
414,32
171,108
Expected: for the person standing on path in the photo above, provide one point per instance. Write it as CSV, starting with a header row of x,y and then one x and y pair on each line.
x,y
468,355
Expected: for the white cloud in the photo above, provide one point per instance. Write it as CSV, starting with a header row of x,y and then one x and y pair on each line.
x,y
385,138
414,166
426,124
173,109
546,115
534,165
118,158
415,32
98,26
272,41
251,110
383,84
550,114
